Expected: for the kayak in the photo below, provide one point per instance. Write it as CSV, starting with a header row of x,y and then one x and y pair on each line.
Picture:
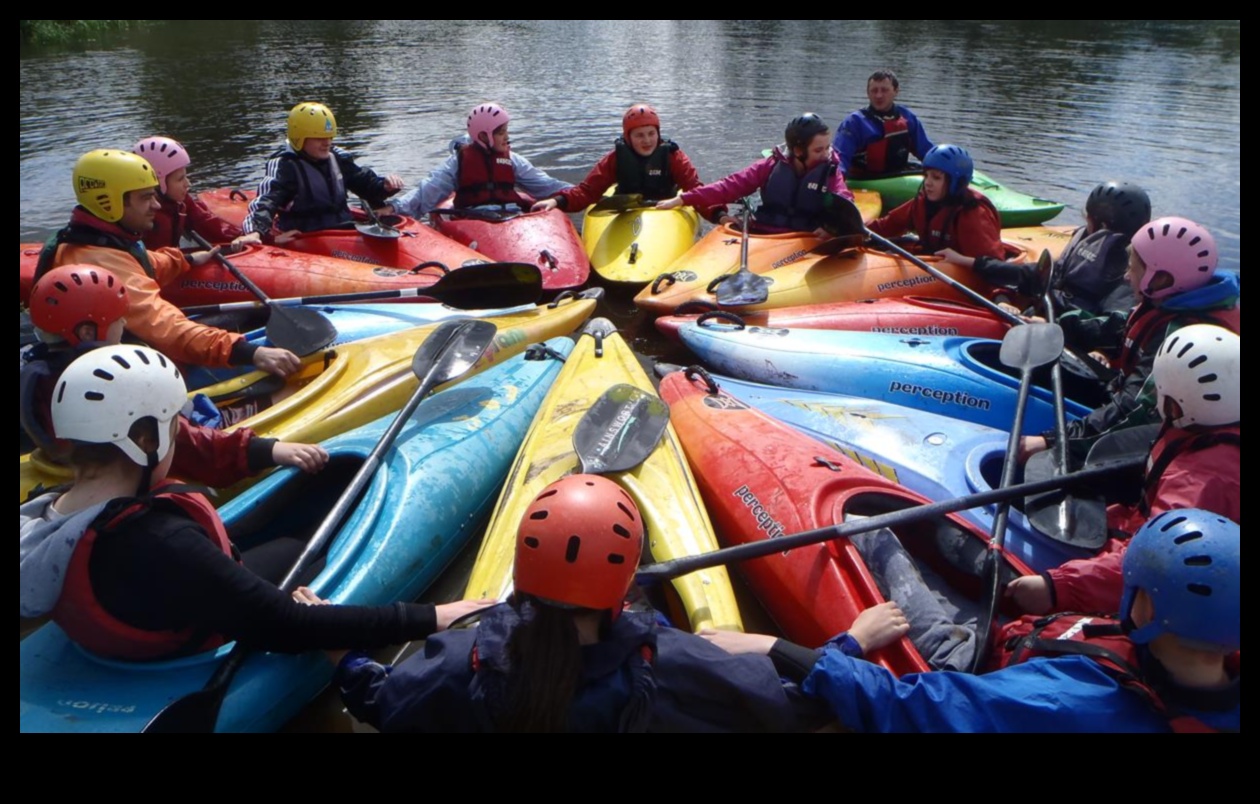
x,y
763,480
635,246
228,203
957,377
936,456
719,253
339,389
911,315
422,507
662,486
546,239
1016,208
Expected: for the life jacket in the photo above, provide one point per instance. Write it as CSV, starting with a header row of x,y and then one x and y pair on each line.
x,y
648,176
37,377
891,152
937,224
1159,462
168,225
86,231
1102,640
1148,325
320,202
1093,266
794,203
486,178
80,614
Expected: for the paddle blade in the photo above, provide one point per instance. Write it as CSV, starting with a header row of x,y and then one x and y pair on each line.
x,y
1045,271
1073,517
620,430
300,330
1031,345
452,349
195,713
843,217
489,286
619,203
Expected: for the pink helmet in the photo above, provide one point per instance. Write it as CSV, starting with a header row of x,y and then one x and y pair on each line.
x,y
165,155
484,120
1174,249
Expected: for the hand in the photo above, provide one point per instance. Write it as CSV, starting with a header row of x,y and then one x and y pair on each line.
x,y
670,203
730,220
306,597
1030,446
285,238
448,613
251,239
1010,308
310,458
822,234
546,205
1101,358
736,643
394,183
1031,594
280,362
879,626
199,258
959,259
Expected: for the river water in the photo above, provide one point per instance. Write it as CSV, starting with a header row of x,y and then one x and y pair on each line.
x,y
1049,107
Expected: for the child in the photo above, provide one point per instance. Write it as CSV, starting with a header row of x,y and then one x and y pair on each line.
x,y
308,181
482,171
796,183
135,568
878,140
641,163
181,211
947,213
1091,270
563,655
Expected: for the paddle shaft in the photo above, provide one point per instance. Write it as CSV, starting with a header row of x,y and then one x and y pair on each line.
x,y
335,298
226,263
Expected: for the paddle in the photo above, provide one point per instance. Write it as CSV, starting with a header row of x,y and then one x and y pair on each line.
x,y
376,228
451,351
299,330
1025,348
743,287
490,215
613,204
620,430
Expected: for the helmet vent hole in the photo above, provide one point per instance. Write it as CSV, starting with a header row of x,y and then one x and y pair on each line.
x,y
143,357
531,542
590,485
621,531
539,516
1184,349
571,551
547,494
120,361
94,396
1173,522
1211,397
1189,537
1198,361
62,286
61,393
1208,379
103,374
1199,589
1199,561
616,558
625,510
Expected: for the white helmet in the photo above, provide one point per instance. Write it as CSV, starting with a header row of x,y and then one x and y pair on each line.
x,y
104,392
1197,376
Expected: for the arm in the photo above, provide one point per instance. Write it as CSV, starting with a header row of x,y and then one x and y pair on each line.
x,y
979,232
836,185
687,178
919,142
897,222
592,188
1090,585
210,226
1131,404
364,182
732,188
534,181
430,192
275,192
219,458
850,140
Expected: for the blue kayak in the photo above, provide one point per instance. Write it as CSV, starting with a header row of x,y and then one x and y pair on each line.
x,y
936,456
957,377
427,500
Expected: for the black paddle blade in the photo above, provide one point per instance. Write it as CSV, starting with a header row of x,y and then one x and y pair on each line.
x,y
300,330
489,286
195,713
843,217
620,430
1032,345
743,288
1045,271
452,349
377,232
619,203
1076,517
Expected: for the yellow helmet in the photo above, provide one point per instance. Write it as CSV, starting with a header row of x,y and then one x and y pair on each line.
x,y
310,120
101,178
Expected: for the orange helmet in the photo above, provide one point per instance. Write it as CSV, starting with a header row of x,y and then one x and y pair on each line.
x,y
579,544
72,295
639,115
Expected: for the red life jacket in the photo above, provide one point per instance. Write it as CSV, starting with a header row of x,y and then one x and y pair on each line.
x,y
80,614
889,153
1102,640
1148,325
486,177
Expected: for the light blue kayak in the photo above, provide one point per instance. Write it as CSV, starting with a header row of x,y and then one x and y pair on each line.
x,y
936,456
427,500
957,377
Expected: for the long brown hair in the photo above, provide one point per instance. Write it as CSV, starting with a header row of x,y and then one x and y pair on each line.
x,y
546,665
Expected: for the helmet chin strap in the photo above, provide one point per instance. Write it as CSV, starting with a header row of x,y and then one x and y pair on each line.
x,y
146,476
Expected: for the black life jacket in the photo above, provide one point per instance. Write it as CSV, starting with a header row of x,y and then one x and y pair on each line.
x,y
1093,268
891,153
320,202
648,176
486,178
794,203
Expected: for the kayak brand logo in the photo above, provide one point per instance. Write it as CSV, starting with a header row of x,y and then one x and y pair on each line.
x,y
779,333
793,257
218,287
387,273
685,276
636,225
902,284
931,331
98,708
765,521
724,403
958,398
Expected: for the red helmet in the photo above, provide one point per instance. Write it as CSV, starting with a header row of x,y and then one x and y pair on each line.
x,y
639,115
71,295
579,544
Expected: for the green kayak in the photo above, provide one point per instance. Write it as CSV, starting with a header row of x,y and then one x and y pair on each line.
x,y
1017,209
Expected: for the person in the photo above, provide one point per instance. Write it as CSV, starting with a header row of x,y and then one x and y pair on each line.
x,y
879,139
1170,662
1091,270
118,204
133,567
563,655
641,163
797,183
308,181
1196,462
78,308
1173,272
181,210
482,171
947,214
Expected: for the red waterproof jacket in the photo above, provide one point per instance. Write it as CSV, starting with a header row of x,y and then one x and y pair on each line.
x,y
972,228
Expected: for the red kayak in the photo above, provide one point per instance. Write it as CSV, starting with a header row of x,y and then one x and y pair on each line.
x,y
546,239
761,480
912,315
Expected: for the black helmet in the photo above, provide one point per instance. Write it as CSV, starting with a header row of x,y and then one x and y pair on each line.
x,y
802,130
1119,206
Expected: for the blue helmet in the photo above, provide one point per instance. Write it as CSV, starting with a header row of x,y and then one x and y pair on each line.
x,y
1189,563
953,161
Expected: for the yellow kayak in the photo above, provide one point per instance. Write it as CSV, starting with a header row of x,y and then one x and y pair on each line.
x,y
634,246
662,486
352,384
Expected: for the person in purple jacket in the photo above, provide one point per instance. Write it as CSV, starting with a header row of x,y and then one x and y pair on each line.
x,y
878,140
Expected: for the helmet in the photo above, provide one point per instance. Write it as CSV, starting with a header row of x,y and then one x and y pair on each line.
x,y
1179,249
579,544
801,130
104,392
71,295
1189,563
1119,206
638,116
1198,368
485,119
953,161
165,155
313,120
102,178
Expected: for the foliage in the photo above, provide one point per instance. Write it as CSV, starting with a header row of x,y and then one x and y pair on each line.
x,y
60,31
